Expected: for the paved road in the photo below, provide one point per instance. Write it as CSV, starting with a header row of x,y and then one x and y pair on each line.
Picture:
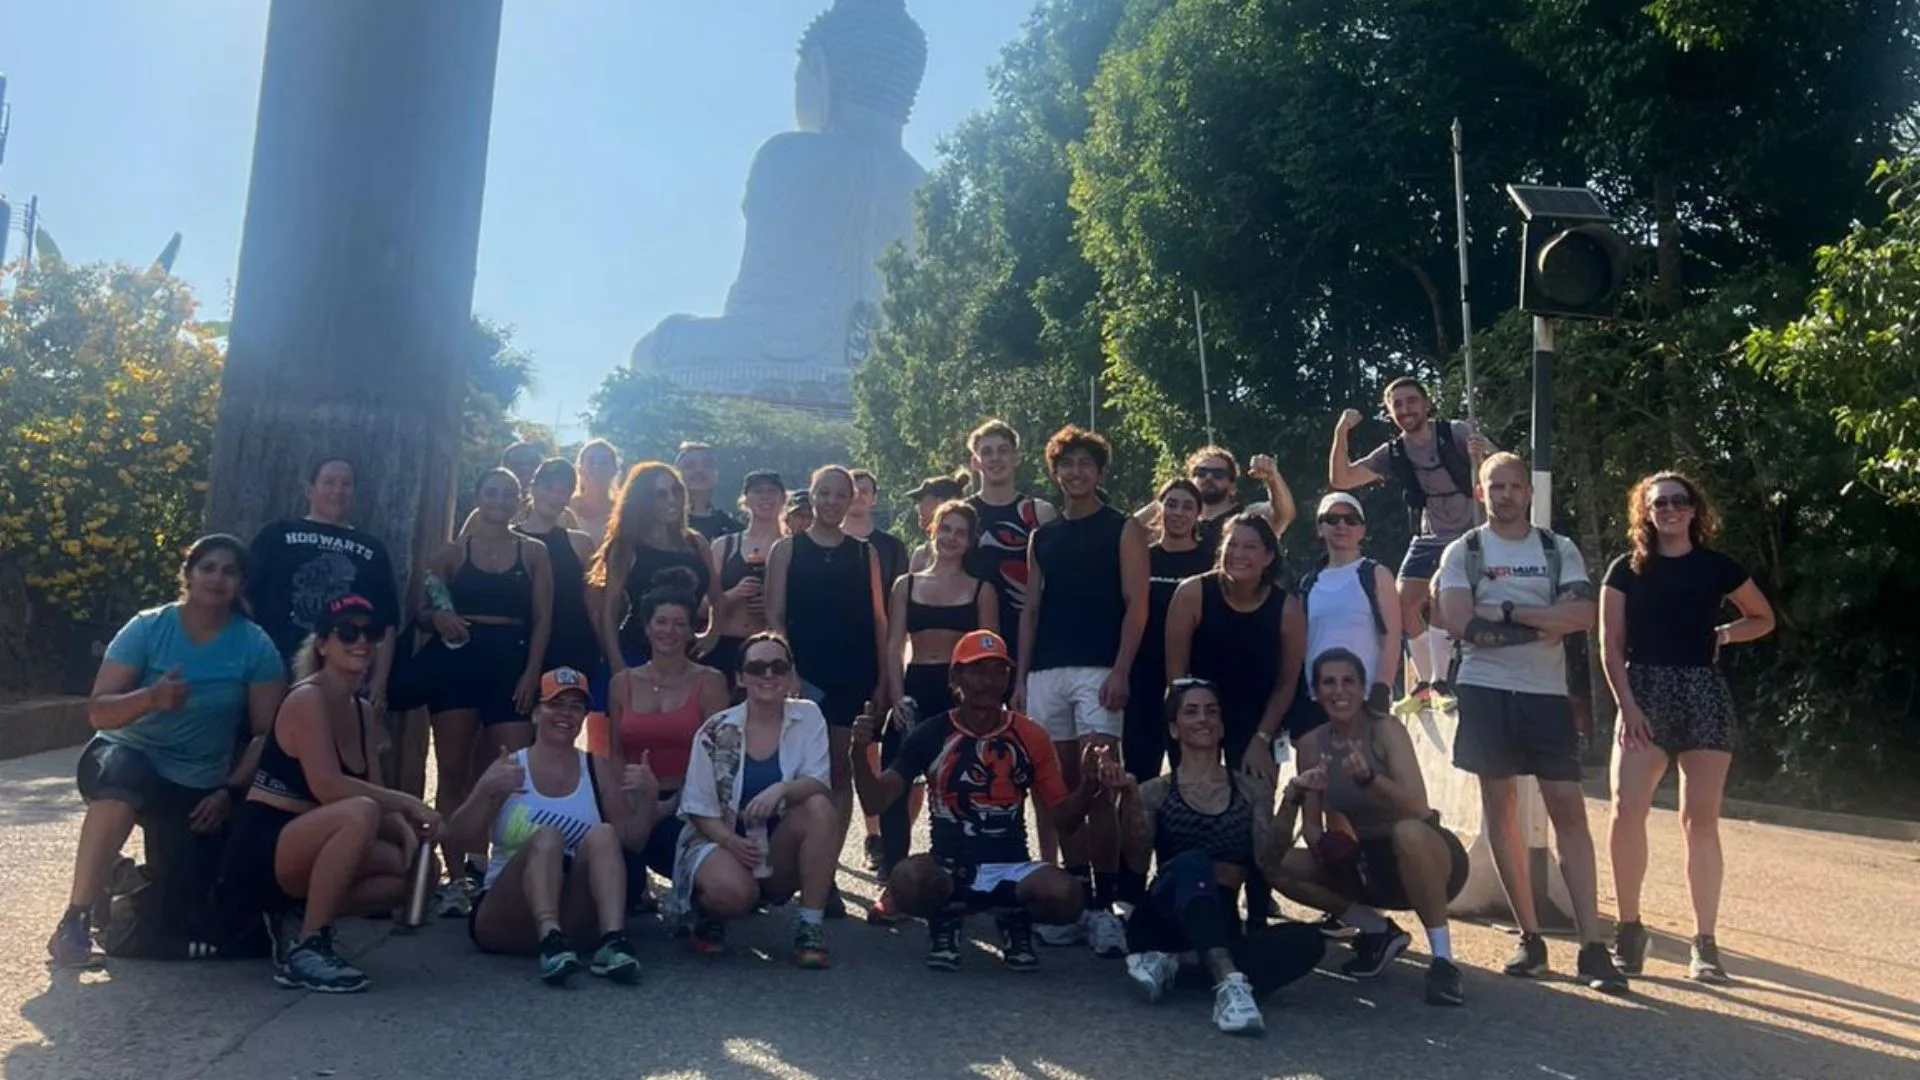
x,y
1823,932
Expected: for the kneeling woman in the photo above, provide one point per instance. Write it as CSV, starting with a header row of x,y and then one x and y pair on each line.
x,y
319,834
759,809
1361,766
559,826
1209,829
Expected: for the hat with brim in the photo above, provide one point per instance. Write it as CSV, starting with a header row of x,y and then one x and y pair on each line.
x,y
938,487
560,682
346,609
979,645
1334,499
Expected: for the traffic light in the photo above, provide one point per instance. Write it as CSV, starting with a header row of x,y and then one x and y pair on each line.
x,y
1573,263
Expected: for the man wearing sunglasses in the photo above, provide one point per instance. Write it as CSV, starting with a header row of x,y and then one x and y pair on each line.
x,y
1434,465
1215,471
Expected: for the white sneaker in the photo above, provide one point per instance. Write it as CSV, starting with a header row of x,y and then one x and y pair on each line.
x,y
1234,1010
1060,935
1106,934
1152,973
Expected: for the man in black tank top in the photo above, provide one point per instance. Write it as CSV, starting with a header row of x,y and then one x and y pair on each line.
x,y
1087,598
1007,519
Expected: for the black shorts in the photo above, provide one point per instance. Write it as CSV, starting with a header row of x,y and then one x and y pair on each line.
x,y
842,704
1422,559
1507,733
930,686
123,774
481,675
248,885
1380,871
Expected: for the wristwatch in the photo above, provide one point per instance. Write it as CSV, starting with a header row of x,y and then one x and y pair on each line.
x,y
1506,611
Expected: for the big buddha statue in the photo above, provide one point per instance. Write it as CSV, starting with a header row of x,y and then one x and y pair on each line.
x,y
823,204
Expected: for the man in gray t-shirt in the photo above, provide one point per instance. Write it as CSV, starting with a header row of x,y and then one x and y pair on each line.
x,y
1509,592
1432,461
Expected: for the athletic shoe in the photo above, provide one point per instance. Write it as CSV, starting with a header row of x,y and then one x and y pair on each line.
x,y
1106,934
1705,965
1234,1010
709,937
1443,983
836,904
1597,970
943,952
1331,926
314,965
1373,952
1529,957
876,854
454,899
71,945
614,960
1151,973
1420,697
1630,947
1060,935
810,945
883,912
1016,942
558,961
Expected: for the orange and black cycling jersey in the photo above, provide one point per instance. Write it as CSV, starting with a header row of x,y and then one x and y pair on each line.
x,y
977,785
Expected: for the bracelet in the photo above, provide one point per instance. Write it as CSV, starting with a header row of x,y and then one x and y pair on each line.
x,y
1263,736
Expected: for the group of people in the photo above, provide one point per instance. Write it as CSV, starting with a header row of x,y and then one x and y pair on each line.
x,y
742,684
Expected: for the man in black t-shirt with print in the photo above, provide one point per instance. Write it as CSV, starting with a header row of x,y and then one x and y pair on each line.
x,y
982,761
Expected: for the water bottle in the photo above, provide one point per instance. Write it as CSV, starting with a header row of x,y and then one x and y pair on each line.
x,y
420,882
757,832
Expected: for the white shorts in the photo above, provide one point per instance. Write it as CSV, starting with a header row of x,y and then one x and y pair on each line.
x,y
1066,703
989,876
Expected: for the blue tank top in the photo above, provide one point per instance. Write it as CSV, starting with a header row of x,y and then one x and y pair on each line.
x,y
756,776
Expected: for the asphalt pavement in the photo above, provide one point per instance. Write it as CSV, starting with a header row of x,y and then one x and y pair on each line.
x,y
1822,933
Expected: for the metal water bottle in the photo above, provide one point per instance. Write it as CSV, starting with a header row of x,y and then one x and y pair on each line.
x,y
420,882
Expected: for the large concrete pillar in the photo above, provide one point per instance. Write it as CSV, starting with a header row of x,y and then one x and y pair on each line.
x,y
352,309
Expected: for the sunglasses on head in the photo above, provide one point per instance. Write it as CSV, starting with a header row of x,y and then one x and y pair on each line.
x,y
1680,501
767,667
1339,519
1212,472
1190,682
351,633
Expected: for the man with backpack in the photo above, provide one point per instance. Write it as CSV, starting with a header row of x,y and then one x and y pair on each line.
x,y
1341,600
1433,463
1509,592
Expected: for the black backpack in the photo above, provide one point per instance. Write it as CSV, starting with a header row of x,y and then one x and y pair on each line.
x,y
1453,458
1367,585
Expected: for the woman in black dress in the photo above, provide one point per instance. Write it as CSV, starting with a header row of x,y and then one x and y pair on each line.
x,y
648,534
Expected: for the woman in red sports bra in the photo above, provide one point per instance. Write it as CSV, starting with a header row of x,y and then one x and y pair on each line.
x,y
655,709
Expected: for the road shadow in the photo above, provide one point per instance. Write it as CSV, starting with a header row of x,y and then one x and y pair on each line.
x,y
32,795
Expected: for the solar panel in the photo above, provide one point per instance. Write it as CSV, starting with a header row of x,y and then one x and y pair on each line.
x,y
1560,203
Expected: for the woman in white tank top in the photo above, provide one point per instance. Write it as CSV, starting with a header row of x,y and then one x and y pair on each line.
x,y
559,822
1339,615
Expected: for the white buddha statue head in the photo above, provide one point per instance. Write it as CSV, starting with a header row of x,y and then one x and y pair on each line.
x,y
861,63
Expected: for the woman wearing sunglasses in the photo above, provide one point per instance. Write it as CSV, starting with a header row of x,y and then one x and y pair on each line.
x,y
759,812
1347,602
649,534
1360,766
1207,828
320,836
1660,642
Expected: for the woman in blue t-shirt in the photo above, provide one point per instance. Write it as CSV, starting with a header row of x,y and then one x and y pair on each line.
x,y
1661,637
181,687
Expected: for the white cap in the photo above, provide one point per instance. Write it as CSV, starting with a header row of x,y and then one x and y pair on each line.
x,y
1340,498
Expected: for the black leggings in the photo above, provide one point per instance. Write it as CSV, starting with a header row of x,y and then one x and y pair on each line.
x,y
1185,911
927,685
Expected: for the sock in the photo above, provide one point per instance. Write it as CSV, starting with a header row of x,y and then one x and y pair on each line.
x,y
1106,889
1364,919
1084,875
1440,653
1417,660
812,915
1440,942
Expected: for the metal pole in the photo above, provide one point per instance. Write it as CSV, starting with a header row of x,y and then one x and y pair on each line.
x,y
33,226
1543,422
1206,389
1093,403
1466,309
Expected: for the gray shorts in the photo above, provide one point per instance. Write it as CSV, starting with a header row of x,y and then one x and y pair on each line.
x,y
1422,559
1507,733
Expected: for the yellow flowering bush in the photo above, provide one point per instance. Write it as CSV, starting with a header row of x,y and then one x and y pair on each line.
x,y
108,389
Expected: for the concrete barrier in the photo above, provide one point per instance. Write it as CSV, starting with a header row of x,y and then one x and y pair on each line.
x,y
29,727
1456,794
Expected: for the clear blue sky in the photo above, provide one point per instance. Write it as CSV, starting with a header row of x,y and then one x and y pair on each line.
x,y
622,132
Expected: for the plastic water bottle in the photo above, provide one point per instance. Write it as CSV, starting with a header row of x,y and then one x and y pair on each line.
x,y
757,832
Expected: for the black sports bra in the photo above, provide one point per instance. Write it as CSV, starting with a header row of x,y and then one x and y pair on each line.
x,y
279,772
506,594
959,618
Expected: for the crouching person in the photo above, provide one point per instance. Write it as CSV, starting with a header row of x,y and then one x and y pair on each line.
x,y
981,761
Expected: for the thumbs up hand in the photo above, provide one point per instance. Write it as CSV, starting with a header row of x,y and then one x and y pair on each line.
x,y
639,779
504,777
170,692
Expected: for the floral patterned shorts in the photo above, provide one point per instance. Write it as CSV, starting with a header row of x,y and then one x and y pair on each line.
x,y
1689,708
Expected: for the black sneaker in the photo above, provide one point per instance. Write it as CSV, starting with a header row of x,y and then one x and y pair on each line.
x,y
1630,947
1373,952
943,954
1705,965
1443,983
1331,926
1529,958
1597,971
876,854
1016,942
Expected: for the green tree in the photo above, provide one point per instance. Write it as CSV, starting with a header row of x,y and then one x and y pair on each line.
x,y
498,372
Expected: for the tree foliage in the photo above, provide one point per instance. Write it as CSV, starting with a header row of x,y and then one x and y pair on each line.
x,y
107,393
